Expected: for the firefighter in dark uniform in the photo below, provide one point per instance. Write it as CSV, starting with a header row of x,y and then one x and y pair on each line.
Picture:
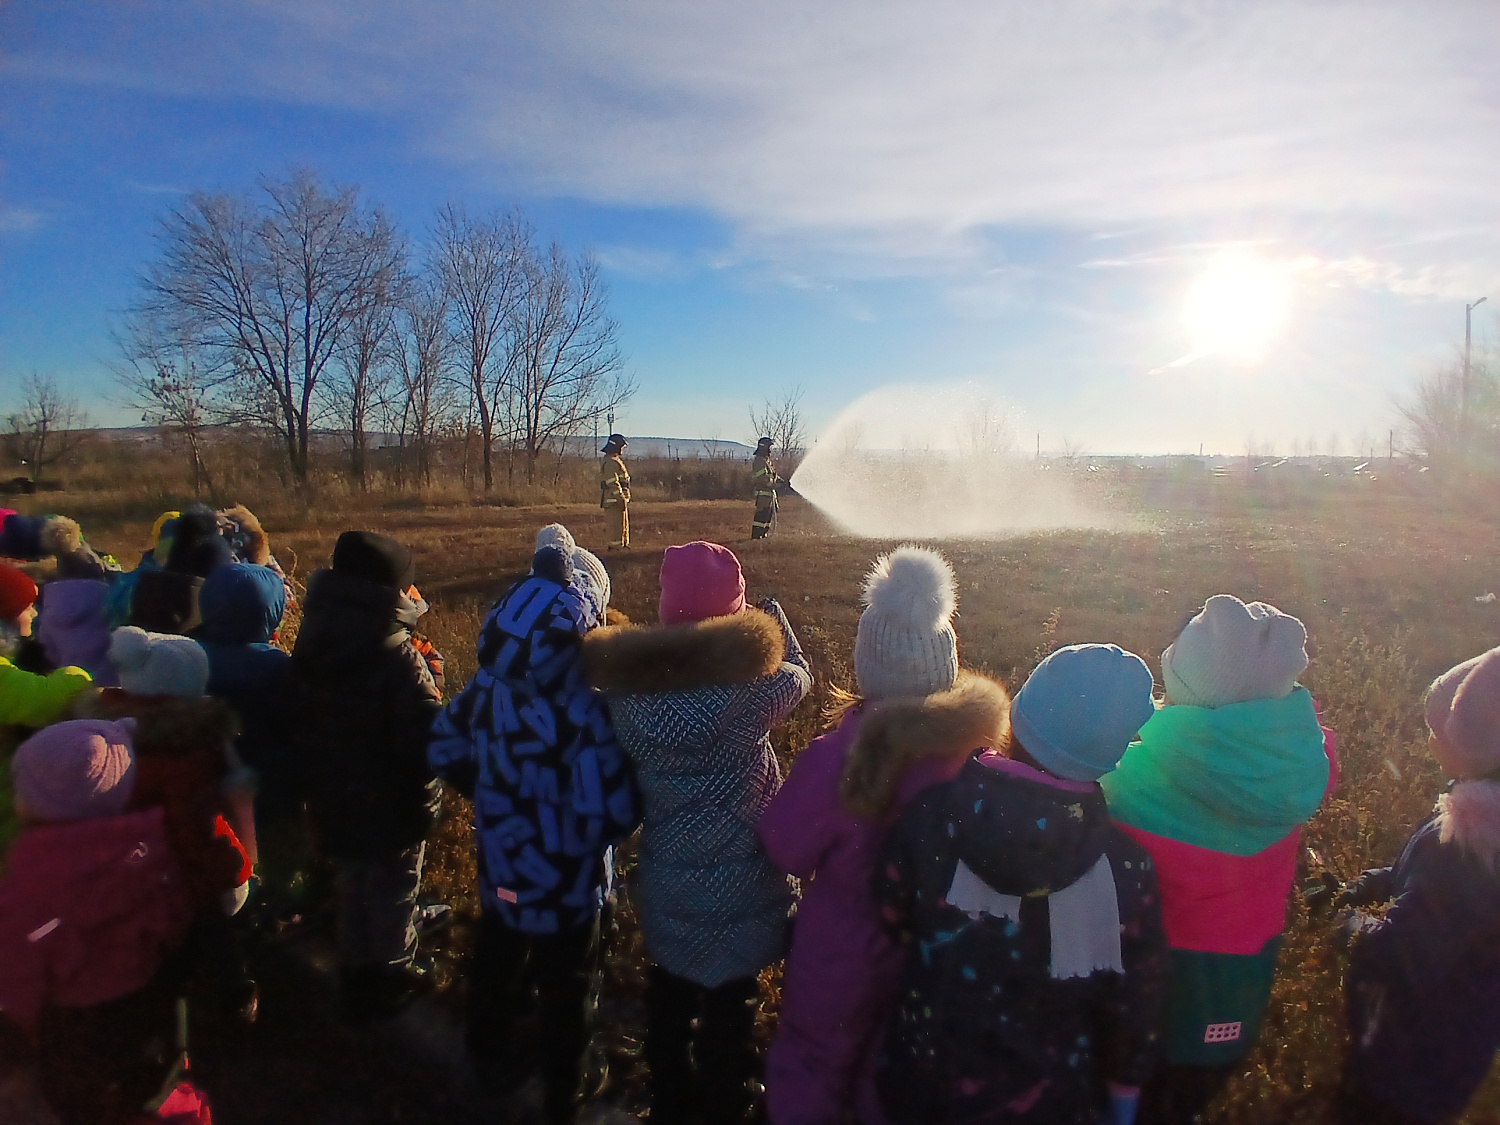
x,y
614,491
764,479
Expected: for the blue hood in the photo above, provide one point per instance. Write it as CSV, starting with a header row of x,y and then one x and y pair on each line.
x,y
241,604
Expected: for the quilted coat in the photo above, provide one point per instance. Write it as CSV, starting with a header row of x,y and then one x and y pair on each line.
x,y
693,706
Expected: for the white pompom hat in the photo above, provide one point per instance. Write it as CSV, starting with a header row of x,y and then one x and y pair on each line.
x,y
906,644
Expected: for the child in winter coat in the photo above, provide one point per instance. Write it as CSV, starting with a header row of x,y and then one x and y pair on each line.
x,y
1423,985
1037,969
242,606
92,910
531,743
71,629
365,699
693,701
918,719
1217,790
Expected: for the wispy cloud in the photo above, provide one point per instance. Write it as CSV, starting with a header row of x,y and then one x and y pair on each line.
x,y
18,219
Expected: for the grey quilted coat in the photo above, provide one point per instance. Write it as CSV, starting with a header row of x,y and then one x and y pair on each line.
x,y
693,706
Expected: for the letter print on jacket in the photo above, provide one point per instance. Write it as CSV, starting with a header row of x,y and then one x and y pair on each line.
x,y
534,746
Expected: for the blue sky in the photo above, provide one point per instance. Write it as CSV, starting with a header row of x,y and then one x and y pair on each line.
x,y
841,196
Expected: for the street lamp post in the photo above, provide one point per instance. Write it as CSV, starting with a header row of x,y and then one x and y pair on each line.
x,y
1468,345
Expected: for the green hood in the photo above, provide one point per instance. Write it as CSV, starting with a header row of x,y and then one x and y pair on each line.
x,y
1234,779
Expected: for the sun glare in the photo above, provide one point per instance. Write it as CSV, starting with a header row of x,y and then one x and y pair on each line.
x,y
1237,308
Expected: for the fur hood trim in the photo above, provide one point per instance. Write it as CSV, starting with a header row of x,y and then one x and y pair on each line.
x,y
1469,815
60,536
895,734
647,660
254,543
168,724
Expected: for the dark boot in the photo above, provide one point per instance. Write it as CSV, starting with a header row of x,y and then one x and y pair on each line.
x,y
671,1006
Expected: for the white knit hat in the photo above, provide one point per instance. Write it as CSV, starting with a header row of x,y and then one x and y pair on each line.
x,y
1232,652
555,535
158,663
906,644
590,576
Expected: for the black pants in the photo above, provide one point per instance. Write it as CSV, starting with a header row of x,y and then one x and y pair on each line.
x,y
1355,1107
700,1074
554,976
1179,1094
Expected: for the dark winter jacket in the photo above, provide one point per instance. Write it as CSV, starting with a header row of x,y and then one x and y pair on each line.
x,y
185,764
242,607
1038,964
364,701
693,706
532,744
1423,987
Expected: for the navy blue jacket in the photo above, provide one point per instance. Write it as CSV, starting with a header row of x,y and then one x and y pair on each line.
x,y
242,606
1423,987
533,745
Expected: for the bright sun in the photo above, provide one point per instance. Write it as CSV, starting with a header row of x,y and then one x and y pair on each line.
x,y
1236,308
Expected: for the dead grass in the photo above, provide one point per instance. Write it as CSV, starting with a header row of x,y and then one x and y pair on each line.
x,y
1385,577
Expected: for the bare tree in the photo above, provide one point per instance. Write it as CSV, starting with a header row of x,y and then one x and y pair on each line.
x,y
268,287
1439,424
482,264
362,374
781,421
563,361
48,428
173,386
423,356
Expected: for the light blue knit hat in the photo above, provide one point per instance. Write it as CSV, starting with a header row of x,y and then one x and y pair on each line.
x,y
1079,710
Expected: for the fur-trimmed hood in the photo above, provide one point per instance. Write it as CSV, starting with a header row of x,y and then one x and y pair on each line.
x,y
247,538
168,725
894,734
1469,816
647,660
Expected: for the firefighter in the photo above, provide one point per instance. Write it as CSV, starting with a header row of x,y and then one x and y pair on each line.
x,y
614,490
764,479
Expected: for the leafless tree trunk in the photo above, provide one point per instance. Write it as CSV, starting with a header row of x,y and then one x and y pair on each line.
x,y
47,430
269,287
482,266
363,374
423,355
781,421
564,355
171,384
1440,425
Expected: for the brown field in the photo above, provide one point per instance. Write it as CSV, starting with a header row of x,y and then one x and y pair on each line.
x,y
1384,573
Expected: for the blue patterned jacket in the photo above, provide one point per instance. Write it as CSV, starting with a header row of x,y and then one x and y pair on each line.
x,y
532,744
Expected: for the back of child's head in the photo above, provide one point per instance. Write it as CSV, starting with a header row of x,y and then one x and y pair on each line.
x,y
374,558
700,580
906,644
83,769
1234,652
1081,708
198,546
154,664
241,604
1463,713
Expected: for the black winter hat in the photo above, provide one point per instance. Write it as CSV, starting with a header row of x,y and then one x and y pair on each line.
x,y
197,545
375,558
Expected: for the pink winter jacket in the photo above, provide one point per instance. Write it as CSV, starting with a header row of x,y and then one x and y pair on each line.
x,y
844,968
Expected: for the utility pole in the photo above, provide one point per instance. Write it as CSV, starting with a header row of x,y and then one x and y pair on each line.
x,y
1468,345
1039,445
1392,455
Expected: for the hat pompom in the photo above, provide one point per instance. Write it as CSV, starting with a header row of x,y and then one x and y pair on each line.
x,y
129,648
913,586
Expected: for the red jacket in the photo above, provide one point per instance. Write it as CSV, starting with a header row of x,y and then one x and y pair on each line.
x,y
88,913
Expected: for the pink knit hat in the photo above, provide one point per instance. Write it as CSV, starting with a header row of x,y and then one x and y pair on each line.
x,y
700,580
1463,713
78,770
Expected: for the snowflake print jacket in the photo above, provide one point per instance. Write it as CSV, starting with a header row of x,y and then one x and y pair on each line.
x,y
1037,966
532,744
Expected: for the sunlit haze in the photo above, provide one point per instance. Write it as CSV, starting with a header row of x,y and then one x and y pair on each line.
x,y
1144,227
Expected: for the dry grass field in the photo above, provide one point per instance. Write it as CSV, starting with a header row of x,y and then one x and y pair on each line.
x,y
1385,576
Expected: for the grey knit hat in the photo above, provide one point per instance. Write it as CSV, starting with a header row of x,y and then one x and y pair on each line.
x,y
589,575
1233,652
906,644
